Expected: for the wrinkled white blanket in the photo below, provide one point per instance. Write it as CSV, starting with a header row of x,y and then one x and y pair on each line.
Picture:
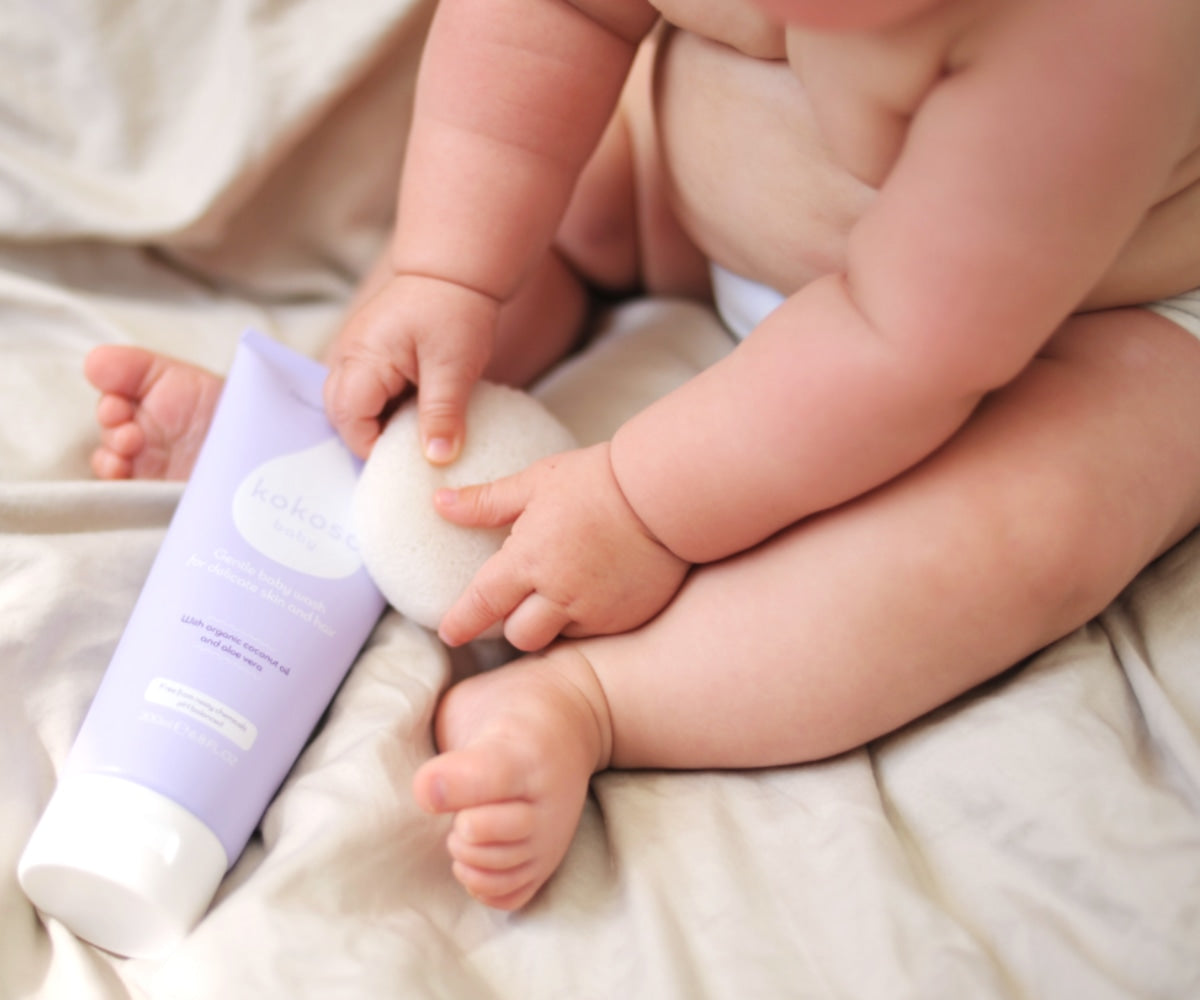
x,y
172,173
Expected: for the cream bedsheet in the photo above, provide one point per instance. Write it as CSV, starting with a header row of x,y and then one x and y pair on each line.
x,y
171,173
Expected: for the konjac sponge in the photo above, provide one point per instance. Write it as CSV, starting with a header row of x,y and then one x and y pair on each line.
x,y
420,561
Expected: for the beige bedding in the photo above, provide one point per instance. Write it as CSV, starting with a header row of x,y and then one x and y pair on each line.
x,y
171,173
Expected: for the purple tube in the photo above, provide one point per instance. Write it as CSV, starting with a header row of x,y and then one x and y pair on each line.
x,y
255,608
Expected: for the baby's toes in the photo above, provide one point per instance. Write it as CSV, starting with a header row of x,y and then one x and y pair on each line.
x,y
495,837
113,410
107,464
119,447
496,855
496,858
125,440
504,889
496,823
483,774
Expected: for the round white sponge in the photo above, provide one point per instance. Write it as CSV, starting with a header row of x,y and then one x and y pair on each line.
x,y
420,561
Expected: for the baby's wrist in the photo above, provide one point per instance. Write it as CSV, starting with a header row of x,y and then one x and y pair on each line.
x,y
491,282
445,284
633,512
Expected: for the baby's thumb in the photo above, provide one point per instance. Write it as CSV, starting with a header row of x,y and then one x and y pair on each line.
x,y
441,415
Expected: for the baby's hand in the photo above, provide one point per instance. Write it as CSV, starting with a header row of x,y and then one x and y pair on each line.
x,y
414,332
577,561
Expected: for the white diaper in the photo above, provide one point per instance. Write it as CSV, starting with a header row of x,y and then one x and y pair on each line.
x,y
1182,310
741,303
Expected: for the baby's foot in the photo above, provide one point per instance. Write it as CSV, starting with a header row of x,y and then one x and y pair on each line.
x,y
520,745
153,414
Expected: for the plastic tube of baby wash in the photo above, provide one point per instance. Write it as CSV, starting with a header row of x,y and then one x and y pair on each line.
x,y
255,607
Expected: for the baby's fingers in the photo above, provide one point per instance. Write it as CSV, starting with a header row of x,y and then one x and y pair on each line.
x,y
442,408
488,599
535,623
356,395
487,505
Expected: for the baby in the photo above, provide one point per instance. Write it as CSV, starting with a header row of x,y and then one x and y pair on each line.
x,y
954,432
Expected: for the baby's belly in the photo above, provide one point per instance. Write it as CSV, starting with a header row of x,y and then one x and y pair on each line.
x,y
751,181
754,187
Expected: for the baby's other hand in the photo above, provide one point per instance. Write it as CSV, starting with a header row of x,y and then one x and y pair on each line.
x,y
415,332
578,560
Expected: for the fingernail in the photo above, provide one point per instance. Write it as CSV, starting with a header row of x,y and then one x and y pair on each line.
x,y
439,450
445,497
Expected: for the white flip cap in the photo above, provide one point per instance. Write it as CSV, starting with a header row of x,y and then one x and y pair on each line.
x,y
121,866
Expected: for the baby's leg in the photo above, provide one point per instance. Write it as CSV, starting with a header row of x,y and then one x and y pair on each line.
x,y
1029,522
620,231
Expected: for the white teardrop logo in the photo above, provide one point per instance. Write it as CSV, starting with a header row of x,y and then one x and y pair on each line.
x,y
295,510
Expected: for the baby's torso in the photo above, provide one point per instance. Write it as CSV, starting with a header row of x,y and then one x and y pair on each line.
x,y
774,144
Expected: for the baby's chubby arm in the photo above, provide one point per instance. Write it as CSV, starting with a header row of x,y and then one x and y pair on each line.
x,y
512,96
1022,174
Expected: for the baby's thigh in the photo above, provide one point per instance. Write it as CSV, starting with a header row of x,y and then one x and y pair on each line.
x,y
1022,527
1141,373
620,231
